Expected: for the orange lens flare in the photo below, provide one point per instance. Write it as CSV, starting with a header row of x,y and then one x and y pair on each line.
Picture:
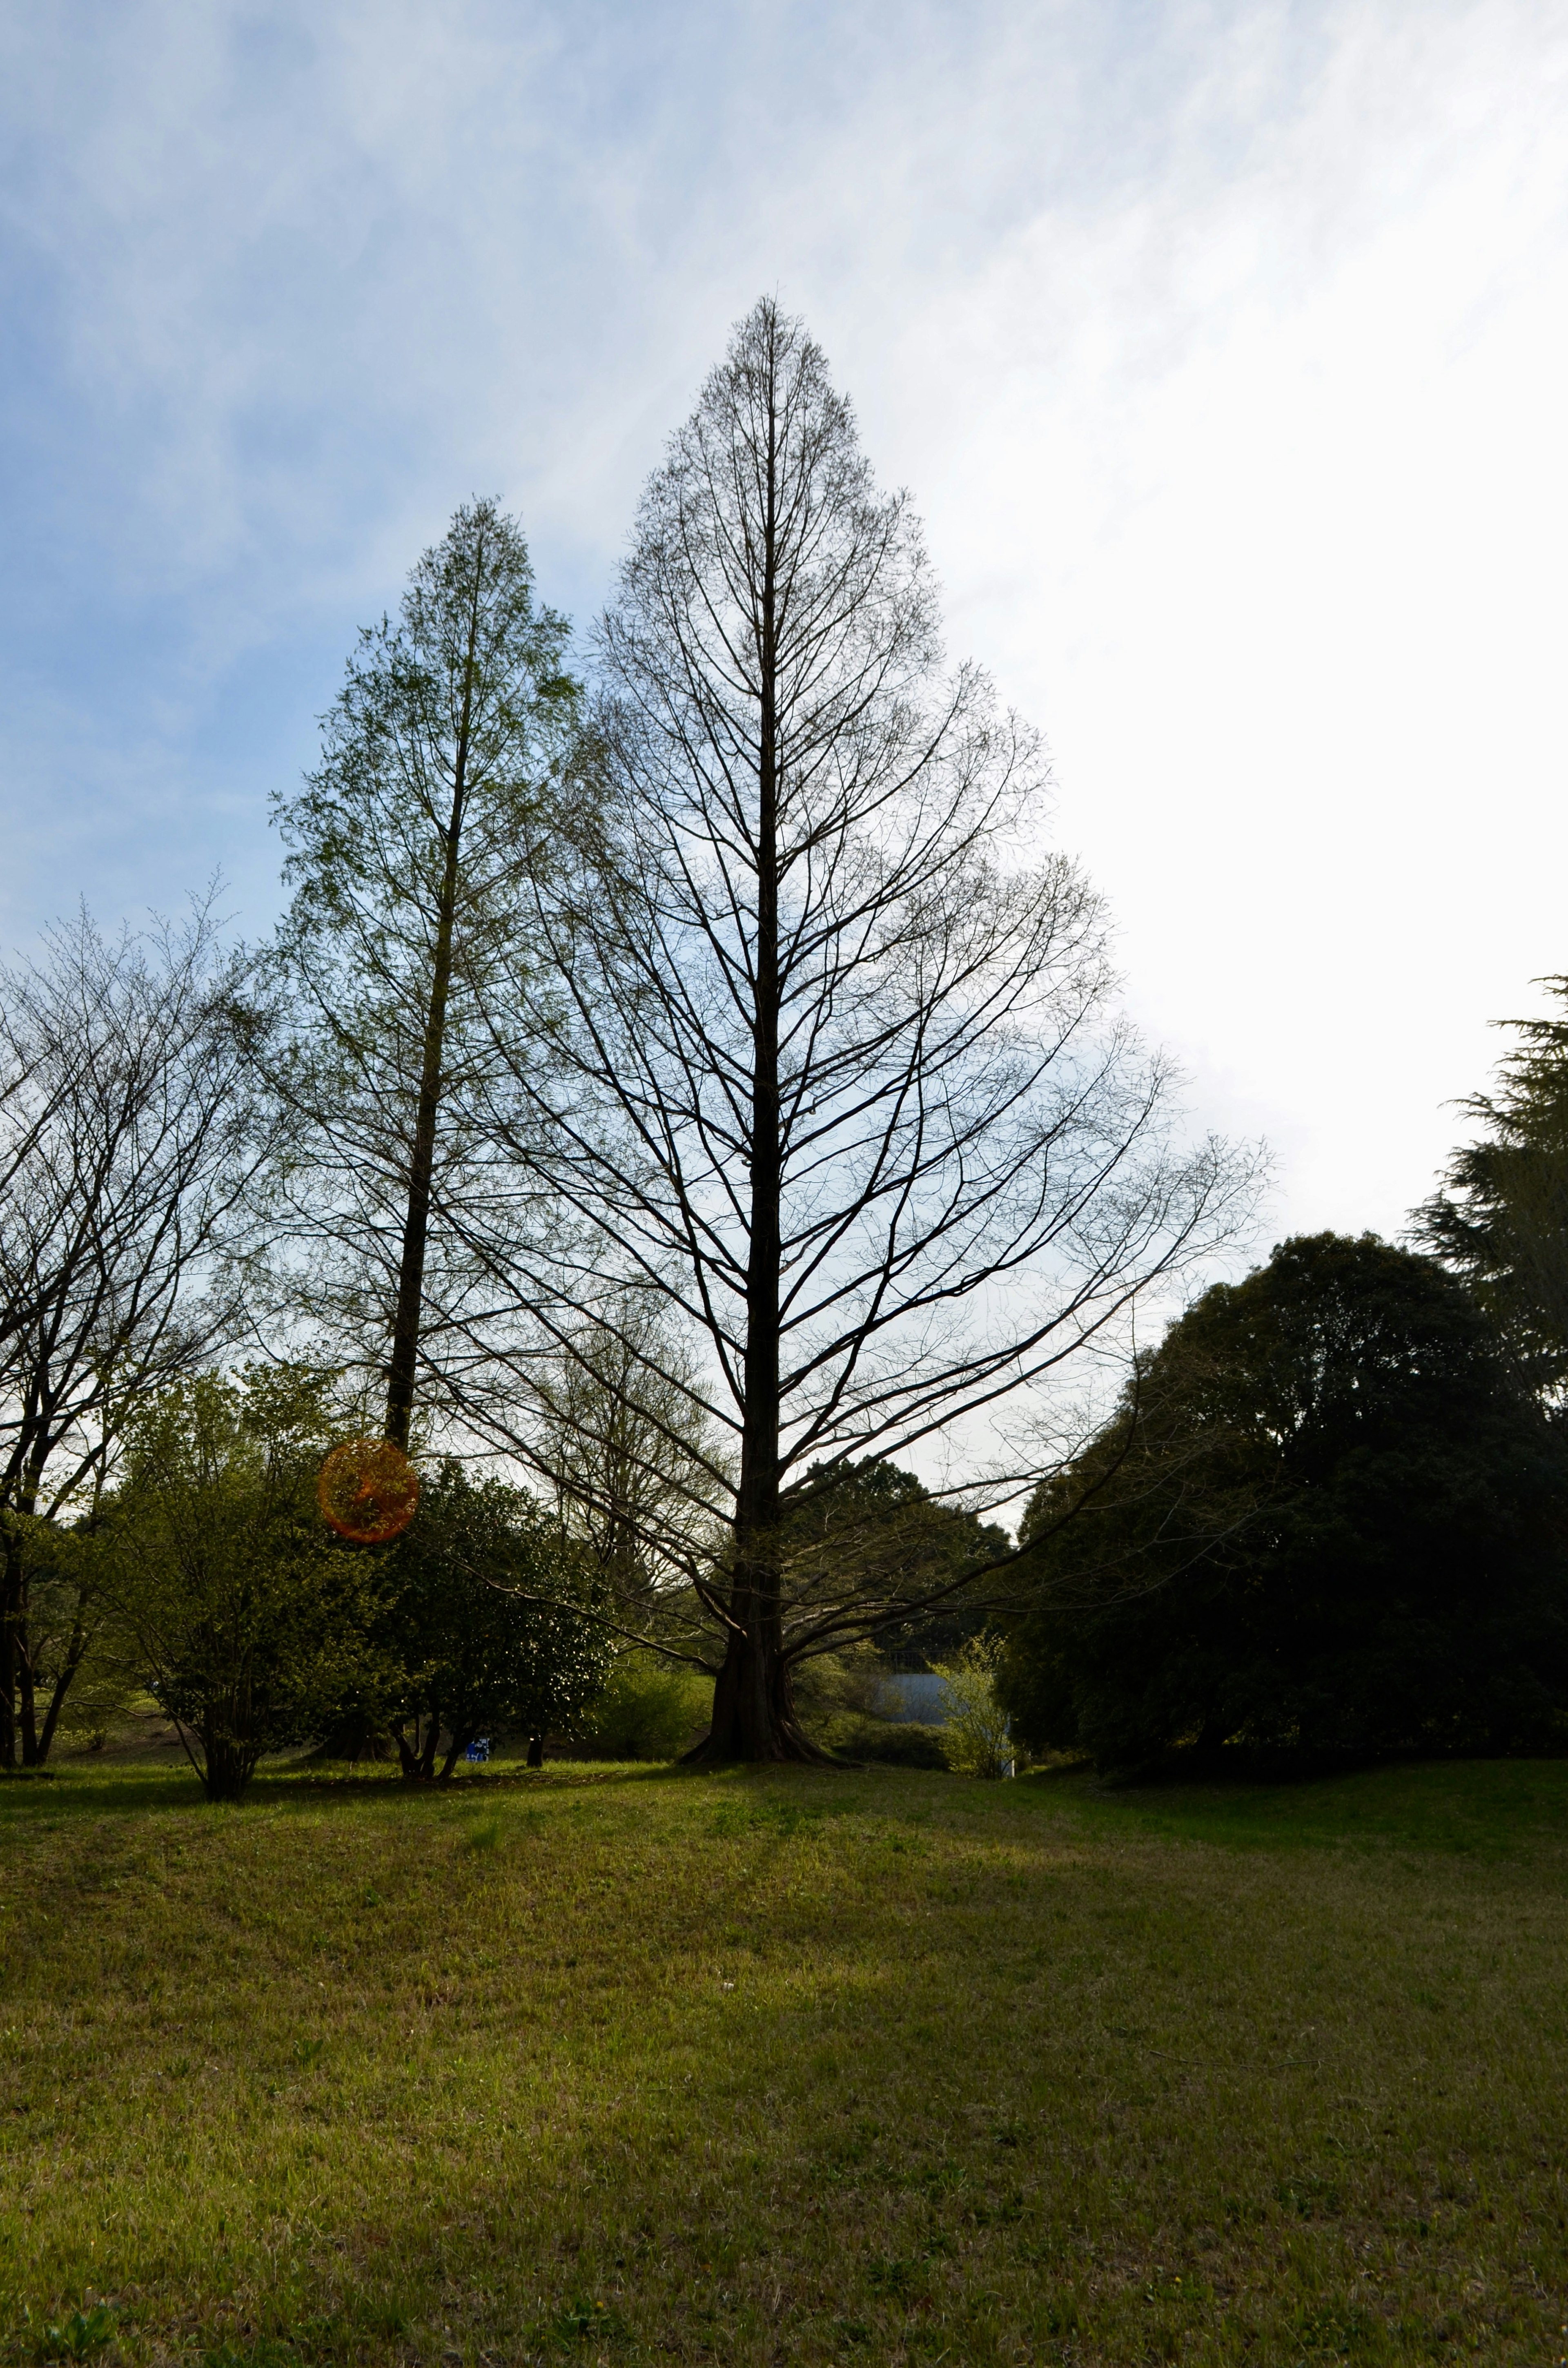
x,y
367,1490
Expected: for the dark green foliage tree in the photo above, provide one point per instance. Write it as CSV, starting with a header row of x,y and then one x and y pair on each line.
x,y
249,1622
483,1629
1502,1219
1324,1521
875,1525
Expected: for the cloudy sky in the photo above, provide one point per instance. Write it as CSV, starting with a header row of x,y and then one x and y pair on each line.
x,y
1224,347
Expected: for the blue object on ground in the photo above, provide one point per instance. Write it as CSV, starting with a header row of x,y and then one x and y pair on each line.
x,y
479,1749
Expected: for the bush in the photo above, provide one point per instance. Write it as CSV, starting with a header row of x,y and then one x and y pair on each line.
x,y
896,1743
488,1628
977,1733
649,1709
248,1618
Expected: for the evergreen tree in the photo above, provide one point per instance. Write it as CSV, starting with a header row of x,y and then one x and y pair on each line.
x,y
1502,1219
487,1625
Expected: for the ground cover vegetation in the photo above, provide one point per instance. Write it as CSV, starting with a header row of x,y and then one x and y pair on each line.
x,y
794,2066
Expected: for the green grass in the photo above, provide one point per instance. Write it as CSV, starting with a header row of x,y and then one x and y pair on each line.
x,y
636,2066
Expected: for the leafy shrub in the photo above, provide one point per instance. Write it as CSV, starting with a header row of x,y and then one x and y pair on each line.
x,y
977,1736
831,1688
488,1627
247,1618
649,1709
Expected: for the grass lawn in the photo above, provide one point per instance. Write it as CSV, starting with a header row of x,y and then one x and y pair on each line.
x,y
637,2066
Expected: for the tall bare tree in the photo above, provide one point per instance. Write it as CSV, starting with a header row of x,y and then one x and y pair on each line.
x,y
842,1078
617,1432
128,1132
445,759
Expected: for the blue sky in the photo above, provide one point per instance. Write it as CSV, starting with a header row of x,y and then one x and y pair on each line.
x,y
1223,346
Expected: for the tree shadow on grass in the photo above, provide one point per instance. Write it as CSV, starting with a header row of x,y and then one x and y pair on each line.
x,y
1490,1808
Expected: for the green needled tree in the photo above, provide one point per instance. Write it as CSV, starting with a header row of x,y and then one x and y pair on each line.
x,y
404,953
1502,1219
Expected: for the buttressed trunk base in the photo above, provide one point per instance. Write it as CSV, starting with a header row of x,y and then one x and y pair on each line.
x,y
754,1712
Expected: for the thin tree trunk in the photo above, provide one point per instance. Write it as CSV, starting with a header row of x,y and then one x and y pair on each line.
x,y
75,1653
25,1702
27,1705
403,1360
10,1617
229,1767
417,1759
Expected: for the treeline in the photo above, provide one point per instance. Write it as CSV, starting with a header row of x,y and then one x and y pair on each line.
x,y
683,1092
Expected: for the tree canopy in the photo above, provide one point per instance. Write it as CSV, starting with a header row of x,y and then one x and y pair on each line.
x,y
246,1617
1323,1520
406,958
485,1625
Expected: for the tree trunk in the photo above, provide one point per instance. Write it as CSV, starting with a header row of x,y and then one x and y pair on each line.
x,y
418,1759
403,1363
459,1745
228,1766
754,1714
19,1692
74,1654
356,1737
10,1620
27,1703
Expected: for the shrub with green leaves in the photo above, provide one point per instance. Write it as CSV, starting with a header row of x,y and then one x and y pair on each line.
x,y
650,1709
893,1743
488,1625
249,1620
977,1733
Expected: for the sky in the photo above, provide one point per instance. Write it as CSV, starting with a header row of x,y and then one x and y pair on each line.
x,y
1223,349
